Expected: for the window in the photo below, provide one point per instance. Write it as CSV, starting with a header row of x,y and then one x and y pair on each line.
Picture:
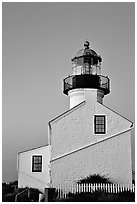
x,y
99,124
36,163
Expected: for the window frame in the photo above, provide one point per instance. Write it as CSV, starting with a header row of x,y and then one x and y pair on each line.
x,y
36,163
102,124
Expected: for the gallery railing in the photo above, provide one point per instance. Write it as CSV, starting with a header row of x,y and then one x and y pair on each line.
x,y
86,81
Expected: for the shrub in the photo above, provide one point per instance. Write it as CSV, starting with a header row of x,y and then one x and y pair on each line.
x,y
95,178
9,193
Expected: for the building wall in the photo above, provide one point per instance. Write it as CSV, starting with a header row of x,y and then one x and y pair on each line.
x,y
75,129
26,177
110,158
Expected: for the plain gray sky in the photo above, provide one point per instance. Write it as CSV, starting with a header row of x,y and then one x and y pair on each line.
x,y
38,42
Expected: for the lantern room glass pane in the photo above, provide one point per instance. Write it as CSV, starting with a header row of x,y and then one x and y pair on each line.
x,y
80,61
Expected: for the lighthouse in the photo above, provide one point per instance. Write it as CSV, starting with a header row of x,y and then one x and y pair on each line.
x,y
89,138
86,66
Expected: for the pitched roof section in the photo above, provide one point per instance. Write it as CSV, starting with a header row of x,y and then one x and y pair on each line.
x,y
132,124
79,105
67,112
33,149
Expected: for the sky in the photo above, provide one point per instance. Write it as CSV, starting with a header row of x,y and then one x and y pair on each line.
x,y
38,42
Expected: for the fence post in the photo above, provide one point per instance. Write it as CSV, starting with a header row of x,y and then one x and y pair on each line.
x,y
72,188
113,190
46,194
77,188
65,192
28,193
86,187
108,188
94,186
82,187
133,188
116,187
40,196
49,194
16,198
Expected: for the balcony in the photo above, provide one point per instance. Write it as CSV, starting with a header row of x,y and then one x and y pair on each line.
x,y
86,81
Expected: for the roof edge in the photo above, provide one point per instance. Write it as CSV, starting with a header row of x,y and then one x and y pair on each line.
x,y
132,124
33,148
67,112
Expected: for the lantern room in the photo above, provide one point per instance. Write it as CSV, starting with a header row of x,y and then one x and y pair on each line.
x,y
86,66
86,61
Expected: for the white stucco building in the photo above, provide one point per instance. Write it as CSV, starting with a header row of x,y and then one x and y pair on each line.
x,y
89,138
34,168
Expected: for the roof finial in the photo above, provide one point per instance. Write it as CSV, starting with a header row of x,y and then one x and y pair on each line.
x,y
86,44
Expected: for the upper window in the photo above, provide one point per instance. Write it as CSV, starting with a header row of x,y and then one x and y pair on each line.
x,y
36,163
99,124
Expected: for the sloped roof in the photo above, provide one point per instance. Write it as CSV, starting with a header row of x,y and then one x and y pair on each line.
x,y
118,114
67,112
33,148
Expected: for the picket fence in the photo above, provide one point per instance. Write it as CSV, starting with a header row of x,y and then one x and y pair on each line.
x,y
64,191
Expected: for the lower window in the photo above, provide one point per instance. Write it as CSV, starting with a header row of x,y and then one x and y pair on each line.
x,y
36,163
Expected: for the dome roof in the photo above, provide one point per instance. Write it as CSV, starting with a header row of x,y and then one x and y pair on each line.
x,y
86,51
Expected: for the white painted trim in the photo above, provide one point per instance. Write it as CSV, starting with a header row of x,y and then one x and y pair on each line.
x,y
132,124
67,112
81,148
49,134
17,162
26,151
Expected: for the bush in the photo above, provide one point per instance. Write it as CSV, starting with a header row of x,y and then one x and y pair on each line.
x,y
95,178
9,193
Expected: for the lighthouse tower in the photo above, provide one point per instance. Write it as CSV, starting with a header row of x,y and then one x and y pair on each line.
x,y
86,76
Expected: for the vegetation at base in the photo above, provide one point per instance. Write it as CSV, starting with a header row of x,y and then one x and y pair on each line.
x,y
10,190
95,178
98,195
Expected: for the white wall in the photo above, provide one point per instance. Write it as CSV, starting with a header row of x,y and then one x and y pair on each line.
x,y
110,158
26,177
76,96
75,129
